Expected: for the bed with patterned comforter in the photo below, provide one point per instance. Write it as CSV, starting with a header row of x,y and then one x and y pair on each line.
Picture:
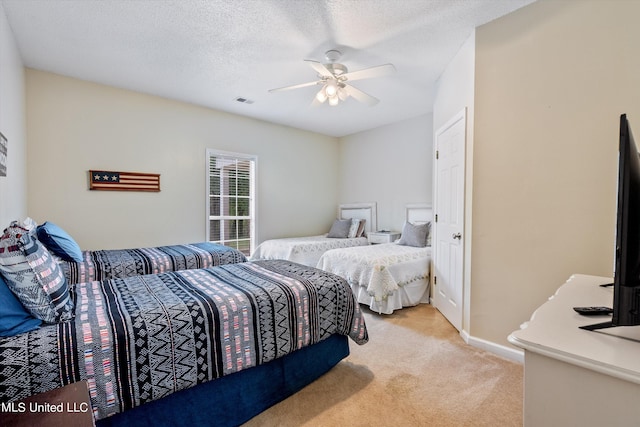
x,y
119,263
140,338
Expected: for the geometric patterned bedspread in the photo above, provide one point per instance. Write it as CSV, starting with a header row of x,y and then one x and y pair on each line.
x,y
119,263
141,338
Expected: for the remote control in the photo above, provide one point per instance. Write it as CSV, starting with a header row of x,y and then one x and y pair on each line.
x,y
593,311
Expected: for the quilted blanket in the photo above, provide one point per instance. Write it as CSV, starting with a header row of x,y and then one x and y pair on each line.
x,y
304,250
382,269
119,263
140,338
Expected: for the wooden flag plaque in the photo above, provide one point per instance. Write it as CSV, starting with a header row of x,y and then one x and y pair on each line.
x,y
123,181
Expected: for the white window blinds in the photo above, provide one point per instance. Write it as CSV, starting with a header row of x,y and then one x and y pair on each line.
x,y
231,199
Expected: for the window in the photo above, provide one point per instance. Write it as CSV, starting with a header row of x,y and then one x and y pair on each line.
x,y
231,199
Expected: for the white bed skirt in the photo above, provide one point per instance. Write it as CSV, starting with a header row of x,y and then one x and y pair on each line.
x,y
408,295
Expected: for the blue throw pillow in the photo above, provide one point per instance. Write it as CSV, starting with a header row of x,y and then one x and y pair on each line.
x,y
59,242
14,318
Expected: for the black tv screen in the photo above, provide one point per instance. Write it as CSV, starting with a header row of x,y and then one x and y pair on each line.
x,y
626,283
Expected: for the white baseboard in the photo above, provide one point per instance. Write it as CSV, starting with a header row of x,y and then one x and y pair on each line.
x,y
497,349
510,353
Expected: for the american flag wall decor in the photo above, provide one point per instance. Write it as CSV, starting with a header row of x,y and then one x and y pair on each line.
x,y
123,181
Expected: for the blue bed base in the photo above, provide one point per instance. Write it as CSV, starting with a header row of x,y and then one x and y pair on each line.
x,y
235,399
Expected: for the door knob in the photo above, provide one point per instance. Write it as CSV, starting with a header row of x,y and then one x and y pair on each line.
x,y
457,236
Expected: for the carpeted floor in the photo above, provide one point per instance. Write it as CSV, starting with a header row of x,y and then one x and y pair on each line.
x,y
414,371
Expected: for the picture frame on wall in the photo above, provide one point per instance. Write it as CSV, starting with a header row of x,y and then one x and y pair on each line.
x,y
3,155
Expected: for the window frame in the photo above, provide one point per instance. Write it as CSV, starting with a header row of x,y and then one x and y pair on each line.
x,y
253,173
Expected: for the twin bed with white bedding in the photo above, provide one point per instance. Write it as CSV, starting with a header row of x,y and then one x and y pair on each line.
x,y
304,250
389,276
308,250
385,277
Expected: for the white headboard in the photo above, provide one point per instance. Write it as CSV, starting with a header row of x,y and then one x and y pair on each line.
x,y
366,211
419,213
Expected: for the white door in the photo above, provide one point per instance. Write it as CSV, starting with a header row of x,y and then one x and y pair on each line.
x,y
449,210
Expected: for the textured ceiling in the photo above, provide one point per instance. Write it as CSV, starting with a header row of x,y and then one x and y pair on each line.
x,y
209,52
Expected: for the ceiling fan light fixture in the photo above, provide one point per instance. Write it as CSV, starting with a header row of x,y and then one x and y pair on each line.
x,y
335,80
331,88
321,96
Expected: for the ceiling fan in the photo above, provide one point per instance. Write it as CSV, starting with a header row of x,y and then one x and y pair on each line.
x,y
334,78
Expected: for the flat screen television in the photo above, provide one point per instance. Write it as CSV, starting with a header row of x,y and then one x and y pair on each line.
x,y
626,282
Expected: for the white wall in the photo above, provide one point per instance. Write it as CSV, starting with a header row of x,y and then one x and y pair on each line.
x,y
551,82
454,93
390,165
75,126
13,187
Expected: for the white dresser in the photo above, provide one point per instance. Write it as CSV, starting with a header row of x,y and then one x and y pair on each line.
x,y
575,377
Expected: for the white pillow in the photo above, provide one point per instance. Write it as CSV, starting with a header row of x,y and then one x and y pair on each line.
x,y
355,226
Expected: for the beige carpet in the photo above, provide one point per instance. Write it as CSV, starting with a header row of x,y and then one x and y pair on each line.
x,y
414,371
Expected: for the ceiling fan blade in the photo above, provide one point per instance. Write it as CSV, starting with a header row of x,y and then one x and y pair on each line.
x,y
361,96
294,86
315,102
367,73
319,67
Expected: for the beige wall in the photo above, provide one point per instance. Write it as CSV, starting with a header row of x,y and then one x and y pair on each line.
x,y
13,187
390,165
74,126
551,82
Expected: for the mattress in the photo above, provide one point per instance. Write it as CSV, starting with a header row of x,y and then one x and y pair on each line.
x,y
119,263
386,277
303,250
141,338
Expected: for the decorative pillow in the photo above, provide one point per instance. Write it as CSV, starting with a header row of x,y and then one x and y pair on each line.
x,y
414,235
33,275
14,319
59,242
340,228
355,226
